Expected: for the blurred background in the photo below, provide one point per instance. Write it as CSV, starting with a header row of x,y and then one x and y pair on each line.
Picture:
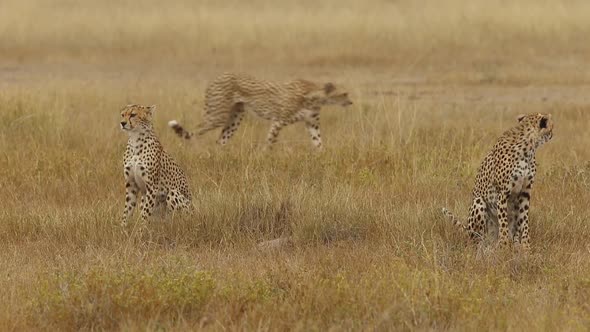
x,y
454,40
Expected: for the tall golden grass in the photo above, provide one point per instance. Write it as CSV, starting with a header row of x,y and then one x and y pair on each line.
x,y
434,83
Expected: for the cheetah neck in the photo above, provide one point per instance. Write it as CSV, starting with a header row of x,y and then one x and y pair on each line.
x,y
137,139
527,148
314,105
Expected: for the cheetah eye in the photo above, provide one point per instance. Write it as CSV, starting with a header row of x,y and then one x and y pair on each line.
x,y
132,115
543,123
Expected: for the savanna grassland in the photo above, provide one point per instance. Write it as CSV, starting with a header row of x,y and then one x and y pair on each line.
x,y
434,83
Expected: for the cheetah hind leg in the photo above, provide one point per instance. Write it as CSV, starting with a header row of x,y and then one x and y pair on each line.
x,y
160,206
476,222
513,230
235,118
176,201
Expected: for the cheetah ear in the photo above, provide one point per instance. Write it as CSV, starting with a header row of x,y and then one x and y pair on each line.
x,y
329,87
520,117
543,122
314,94
151,109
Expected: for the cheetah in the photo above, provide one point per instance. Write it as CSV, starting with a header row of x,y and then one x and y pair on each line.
x,y
230,95
504,181
148,169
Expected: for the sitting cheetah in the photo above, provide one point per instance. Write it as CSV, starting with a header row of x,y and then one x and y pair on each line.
x,y
503,183
149,170
228,96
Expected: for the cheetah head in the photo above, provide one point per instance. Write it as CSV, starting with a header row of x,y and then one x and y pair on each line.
x,y
135,117
537,126
328,95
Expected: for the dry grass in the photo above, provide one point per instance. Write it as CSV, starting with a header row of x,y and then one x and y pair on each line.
x,y
434,83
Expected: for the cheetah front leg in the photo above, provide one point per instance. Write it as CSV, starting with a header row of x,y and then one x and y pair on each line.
x,y
312,123
131,190
503,218
522,222
150,198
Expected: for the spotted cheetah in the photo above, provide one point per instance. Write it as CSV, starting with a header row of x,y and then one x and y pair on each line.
x,y
149,170
503,183
230,95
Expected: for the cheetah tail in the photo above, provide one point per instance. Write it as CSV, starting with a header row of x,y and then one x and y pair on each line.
x,y
179,130
452,218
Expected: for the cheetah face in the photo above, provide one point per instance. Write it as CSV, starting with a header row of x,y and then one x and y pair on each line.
x,y
329,95
134,117
339,99
539,126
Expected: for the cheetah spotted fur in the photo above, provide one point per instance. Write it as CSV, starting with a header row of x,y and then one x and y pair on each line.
x,y
504,181
230,95
148,169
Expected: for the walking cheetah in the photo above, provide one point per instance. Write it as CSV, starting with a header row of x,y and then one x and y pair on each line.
x,y
149,170
228,96
503,183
